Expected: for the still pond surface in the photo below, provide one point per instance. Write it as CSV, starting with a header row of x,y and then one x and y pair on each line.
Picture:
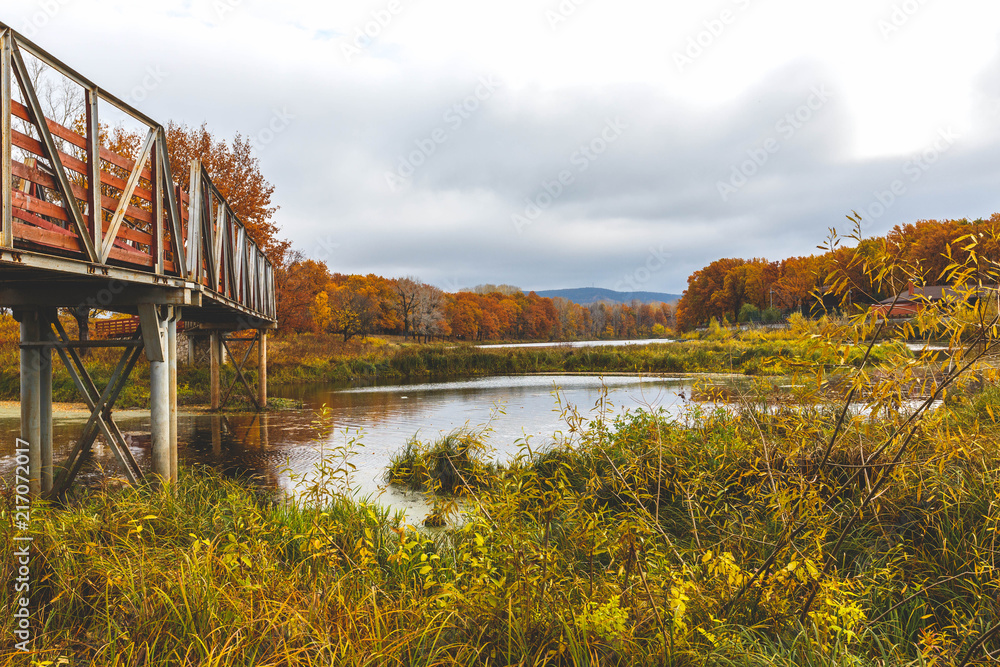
x,y
380,418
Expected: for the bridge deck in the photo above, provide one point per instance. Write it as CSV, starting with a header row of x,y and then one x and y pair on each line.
x,y
136,238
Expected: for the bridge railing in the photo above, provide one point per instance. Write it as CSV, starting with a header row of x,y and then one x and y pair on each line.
x,y
137,218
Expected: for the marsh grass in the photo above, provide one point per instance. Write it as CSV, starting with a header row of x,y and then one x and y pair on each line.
x,y
622,542
453,464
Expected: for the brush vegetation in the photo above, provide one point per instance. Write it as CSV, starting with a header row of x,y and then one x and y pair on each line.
x,y
750,352
451,465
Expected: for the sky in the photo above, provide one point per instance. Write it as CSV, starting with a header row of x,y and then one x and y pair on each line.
x,y
567,143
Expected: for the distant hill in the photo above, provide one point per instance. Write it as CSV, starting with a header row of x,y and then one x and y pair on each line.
x,y
588,295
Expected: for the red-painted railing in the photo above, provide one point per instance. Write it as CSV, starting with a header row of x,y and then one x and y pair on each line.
x,y
138,218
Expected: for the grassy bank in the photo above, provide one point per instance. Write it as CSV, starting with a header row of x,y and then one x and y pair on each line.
x,y
304,359
646,541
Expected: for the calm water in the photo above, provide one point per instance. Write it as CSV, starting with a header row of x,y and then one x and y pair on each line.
x,y
381,418
585,343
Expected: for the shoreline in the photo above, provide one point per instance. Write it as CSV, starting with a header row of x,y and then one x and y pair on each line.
x,y
12,409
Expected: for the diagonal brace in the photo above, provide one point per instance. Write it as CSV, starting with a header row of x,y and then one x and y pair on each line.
x,y
239,371
100,420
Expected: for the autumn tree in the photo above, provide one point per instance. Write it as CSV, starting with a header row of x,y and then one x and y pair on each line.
x,y
428,315
406,291
235,170
362,305
464,315
708,295
298,281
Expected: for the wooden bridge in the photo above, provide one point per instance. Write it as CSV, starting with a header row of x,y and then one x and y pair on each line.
x,y
83,227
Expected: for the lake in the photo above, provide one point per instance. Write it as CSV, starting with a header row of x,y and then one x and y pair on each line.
x,y
382,418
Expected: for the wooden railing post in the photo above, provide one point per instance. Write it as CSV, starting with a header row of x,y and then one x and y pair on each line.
x,y
94,202
156,169
6,177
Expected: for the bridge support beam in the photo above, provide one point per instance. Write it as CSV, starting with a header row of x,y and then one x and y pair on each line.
x,y
172,348
31,409
159,352
36,395
45,403
262,368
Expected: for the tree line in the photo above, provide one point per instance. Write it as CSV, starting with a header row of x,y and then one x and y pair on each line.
x,y
313,299
734,289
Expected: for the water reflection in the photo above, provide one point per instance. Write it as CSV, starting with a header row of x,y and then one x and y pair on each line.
x,y
582,343
268,446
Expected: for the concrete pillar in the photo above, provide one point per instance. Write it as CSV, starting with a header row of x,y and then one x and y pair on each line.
x,y
31,415
262,368
159,416
45,406
172,369
215,358
154,335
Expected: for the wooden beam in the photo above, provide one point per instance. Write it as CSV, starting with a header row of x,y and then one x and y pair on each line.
x,y
71,137
126,197
95,201
194,223
173,212
156,247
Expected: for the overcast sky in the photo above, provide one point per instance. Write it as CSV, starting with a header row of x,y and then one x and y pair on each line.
x,y
547,144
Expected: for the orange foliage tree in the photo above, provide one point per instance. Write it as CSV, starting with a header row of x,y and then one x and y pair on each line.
x,y
235,170
298,281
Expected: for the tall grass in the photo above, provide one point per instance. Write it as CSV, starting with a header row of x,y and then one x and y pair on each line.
x,y
624,542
